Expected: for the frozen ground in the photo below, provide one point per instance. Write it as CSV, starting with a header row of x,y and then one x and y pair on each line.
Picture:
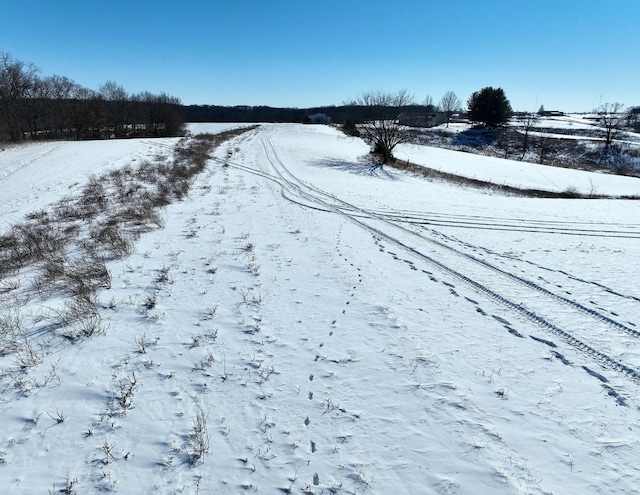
x,y
340,331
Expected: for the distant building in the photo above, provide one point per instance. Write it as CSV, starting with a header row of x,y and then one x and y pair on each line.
x,y
318,118
552,113
429,120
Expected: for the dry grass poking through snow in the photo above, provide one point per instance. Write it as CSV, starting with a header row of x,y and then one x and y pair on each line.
x,y
58,257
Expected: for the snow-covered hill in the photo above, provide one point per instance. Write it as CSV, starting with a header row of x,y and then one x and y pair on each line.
x,y
332,330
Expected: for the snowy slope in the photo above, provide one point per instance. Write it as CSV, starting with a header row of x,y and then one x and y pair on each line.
x,y
37,174
524,175
343,332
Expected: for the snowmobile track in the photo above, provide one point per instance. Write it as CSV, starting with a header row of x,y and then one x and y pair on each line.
x,y
299,192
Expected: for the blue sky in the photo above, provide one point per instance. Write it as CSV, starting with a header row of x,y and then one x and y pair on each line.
x,y
566,54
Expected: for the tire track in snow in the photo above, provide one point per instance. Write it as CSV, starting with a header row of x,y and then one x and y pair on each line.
x,y
624,231
306,195
570,276
362,217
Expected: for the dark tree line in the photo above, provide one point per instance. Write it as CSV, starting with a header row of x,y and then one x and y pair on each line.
x,y
339,114
242,113
55,107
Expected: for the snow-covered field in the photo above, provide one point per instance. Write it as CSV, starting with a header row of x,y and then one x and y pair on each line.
x,y
339,331
520,174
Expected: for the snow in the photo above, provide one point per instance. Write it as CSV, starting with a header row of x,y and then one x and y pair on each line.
x,y
571,122
517,173
43,172
344,330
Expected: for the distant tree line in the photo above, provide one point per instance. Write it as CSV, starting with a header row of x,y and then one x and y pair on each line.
x,y
339,114
55,107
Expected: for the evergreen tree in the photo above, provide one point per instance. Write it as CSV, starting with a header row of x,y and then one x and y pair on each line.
x,y
489,107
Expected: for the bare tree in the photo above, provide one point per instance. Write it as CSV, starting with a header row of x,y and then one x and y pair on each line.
x,y
611,118
116,106
16,80
430,110
528,121
112,91
381,127
35,105
544,148
449,104
428,103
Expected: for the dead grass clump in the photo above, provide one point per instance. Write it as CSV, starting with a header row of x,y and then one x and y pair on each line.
x,y
111,241
162,196
93,199
126,389
52,273
64,250
38,240
146,172
199,437
12,332
81,319
83,277
12,255
40,216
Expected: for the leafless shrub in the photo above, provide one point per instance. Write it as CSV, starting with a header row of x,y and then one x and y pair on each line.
x,y
126,192
81,319
38,240
161,197
88,326
146,172
181,189
52,375
10,285
92,200
94,192
139,215
111,240
66,210
571,192
51,275
26,354
53,269
12,254
41,216
12,332
86,275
